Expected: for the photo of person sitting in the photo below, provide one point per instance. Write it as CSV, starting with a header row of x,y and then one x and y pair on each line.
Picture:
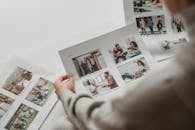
x,y
127,49
101,83
119,53
134,69
133,49
89,63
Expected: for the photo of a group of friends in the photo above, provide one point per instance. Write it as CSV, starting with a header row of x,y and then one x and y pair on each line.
x,y
151,25
177,24
141,6
40,93
16,83
123,52
101,83
134,69
18,80
5,104
89,63
22,118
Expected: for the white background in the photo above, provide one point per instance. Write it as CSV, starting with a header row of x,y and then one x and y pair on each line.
x,y
27,25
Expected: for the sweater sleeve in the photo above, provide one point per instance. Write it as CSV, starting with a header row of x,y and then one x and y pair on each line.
x,y
156,105
87,114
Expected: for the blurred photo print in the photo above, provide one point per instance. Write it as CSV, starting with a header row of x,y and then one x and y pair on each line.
x,y
177,24
125,49
40,92
142,6
100,83
89,63
171,46
134,69
22,118
17,80
5,104
151,25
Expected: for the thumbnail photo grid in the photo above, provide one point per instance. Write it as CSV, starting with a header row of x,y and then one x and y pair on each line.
x,y
18,83
152,18
127,58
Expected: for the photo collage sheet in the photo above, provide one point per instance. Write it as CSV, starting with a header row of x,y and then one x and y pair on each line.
x,y
108,62
155,24
26,98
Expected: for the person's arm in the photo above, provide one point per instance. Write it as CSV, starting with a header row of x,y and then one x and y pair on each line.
x,y
154,106
84,112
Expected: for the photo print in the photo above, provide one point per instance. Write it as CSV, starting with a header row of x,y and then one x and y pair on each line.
x,y
100,84
170,47
134,69
125,49
142,6
5,104
22,119
18,80
40,92
151,25
89,63
177,24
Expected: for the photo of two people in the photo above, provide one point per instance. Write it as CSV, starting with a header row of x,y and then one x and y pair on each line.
x,y
99,84
122,52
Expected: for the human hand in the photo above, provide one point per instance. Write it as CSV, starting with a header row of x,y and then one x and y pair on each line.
x,y
63,83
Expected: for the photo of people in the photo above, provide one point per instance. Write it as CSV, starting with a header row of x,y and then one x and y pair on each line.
x,y
89,63
177,24
122,52
40,92
5,103
134,69
100,83
141,6
17,81
22,118
151,25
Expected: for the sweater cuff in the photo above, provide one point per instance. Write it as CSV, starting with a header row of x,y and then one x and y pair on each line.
x,y
66,94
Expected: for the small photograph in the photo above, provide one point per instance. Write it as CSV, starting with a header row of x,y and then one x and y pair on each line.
x,y
124,50
134,69
18,80
177,24
172,46
5,104
40,92
89,63
100,83
22,118
142,6
151,25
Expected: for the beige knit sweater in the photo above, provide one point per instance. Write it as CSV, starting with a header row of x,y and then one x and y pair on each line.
x,y
163,101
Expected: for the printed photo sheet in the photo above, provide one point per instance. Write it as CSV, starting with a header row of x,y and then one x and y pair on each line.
x,y
108,62
26,97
